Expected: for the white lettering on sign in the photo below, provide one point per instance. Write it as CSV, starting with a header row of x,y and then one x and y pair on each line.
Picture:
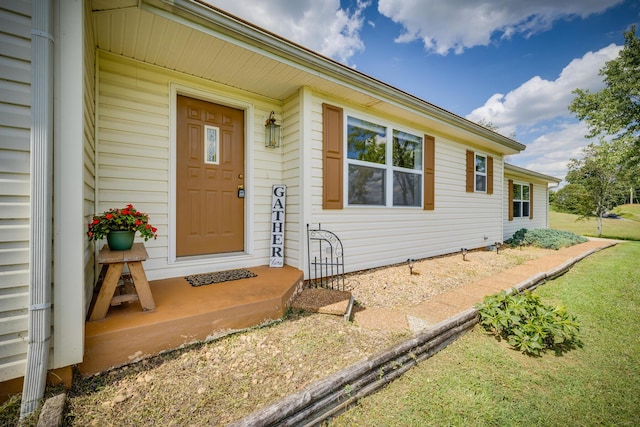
x,y
278,194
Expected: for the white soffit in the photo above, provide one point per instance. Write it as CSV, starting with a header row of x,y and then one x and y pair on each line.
x,y
188,47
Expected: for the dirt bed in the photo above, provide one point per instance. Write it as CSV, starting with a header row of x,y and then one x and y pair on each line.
x,y
220,381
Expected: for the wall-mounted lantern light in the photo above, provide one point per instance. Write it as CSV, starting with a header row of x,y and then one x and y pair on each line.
x,y
271,132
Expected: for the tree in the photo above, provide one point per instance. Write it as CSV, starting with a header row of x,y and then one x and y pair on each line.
x,y
493,127
571,199
601,174
615,110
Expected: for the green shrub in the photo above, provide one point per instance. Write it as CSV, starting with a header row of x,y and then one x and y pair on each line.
x,y
527,324
547,238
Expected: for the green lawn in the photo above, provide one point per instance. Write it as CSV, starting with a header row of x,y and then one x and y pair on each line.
x,y
478,381
626,228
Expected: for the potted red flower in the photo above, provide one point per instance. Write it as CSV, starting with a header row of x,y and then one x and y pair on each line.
x,y
119,226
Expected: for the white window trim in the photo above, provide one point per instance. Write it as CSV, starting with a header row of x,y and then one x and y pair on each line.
x,y
522,185
387,167
476,173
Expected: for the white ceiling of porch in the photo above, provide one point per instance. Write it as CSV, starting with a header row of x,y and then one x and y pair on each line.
x,y
153,39
193,39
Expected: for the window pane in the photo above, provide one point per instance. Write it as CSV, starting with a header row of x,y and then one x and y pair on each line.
x,y
407,150
481,164
525,192
525,209
481,183
366,141
516,209
366,185
517,192
407,189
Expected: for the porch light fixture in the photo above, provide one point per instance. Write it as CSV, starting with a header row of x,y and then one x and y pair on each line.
x,y
464,253
410,263
271,132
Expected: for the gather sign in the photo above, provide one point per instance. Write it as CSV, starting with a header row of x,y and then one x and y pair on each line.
x,y
278,195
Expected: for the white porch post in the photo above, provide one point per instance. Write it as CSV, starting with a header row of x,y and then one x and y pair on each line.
x,y
68,207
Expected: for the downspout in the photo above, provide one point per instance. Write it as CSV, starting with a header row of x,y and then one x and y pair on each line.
x,y
41,169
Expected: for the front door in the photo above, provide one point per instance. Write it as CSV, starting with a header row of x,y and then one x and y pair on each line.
x,y
209,178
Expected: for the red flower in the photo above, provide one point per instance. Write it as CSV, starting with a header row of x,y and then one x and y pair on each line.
x,y
127,218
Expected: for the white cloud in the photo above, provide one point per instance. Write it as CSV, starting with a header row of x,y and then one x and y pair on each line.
x,y
456,25
321,26
550,153
538,99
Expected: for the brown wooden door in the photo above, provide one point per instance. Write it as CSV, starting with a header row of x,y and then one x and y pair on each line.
x,y
210,170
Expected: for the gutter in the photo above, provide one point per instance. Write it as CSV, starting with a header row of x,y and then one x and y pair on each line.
x,y
41,173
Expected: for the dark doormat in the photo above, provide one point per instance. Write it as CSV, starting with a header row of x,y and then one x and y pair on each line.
x,y
219,276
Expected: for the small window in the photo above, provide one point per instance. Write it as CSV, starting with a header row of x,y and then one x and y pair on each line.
x,y
521,200
384,165
481,173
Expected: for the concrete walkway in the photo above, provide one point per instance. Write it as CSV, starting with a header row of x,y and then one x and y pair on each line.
x,y
445,305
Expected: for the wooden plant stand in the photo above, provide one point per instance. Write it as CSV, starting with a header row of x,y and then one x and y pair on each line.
x,y
115,261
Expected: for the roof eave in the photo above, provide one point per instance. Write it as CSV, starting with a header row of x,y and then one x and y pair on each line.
x,y
237,29
522,171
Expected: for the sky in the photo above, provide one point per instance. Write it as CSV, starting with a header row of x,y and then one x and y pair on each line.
x,y
511,63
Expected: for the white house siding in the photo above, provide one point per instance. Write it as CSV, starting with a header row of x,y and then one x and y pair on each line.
x,y
89,177
15,113
375,236
134,163
293,131
540,207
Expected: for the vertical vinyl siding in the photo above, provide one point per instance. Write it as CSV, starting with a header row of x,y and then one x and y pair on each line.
x,y
15,122
375,236
133,156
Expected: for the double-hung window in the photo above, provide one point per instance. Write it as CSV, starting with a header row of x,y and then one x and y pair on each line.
x,y
480,173
521,200
384,165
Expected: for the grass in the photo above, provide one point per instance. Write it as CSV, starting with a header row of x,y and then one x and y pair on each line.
x,y
478,381
627,228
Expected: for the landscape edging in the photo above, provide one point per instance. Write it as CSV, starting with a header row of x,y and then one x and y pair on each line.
x,y
336,392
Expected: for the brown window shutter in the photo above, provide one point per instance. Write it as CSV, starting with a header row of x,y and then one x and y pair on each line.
x,y
489,175
332,148
429,172
530,201
471,165
510,200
